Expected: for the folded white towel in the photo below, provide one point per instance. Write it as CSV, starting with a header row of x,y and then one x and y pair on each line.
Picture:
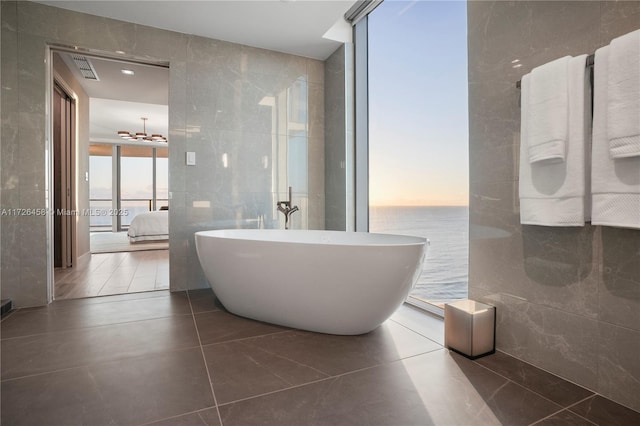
x,y
615,182
623,109
556,193
548,111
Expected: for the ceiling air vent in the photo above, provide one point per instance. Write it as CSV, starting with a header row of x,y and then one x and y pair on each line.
x,y
86,68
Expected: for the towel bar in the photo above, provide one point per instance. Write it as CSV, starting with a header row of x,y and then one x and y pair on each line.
x,y
590,62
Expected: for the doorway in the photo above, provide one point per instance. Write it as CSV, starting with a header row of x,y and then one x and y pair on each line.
x,y
97,100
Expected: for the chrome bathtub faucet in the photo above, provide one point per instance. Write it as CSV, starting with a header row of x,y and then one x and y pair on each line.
x,y
286,209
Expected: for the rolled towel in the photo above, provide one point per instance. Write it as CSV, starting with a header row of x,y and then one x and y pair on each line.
x,y
623,89
548,111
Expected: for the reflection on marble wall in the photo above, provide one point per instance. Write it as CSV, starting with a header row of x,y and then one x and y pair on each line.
x,y
255,119
335,148
568,298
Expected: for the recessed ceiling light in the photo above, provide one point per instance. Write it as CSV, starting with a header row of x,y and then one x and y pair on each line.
x,y
127,72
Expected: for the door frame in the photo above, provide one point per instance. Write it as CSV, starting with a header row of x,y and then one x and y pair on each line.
x,y
52,78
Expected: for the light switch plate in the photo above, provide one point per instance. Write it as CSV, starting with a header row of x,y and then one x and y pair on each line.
x,y
191,158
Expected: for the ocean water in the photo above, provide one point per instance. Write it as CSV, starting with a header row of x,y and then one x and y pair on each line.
x,y
445,273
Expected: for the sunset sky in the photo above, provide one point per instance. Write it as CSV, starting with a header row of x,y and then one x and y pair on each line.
x,y
418,122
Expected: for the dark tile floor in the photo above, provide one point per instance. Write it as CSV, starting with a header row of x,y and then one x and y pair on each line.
x,y
177,359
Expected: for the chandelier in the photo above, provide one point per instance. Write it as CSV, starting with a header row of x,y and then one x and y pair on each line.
x,y
142,136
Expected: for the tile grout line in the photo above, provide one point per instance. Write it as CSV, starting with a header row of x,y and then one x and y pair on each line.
x,y
113,272
567,408
92,326
155,276
291,360
330,377
107,280
132,276
537,393
204,359
70,300
417,332
89,364
242,339
603,397
200,410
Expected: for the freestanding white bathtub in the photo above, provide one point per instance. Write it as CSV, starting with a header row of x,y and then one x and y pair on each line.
x,y
325,281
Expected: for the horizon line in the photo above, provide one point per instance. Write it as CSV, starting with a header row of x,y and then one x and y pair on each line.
x,y
419,205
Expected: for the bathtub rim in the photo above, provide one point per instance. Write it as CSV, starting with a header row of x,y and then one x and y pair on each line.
x,y
315,237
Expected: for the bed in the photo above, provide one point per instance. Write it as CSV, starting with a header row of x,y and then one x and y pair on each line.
x,y
150,226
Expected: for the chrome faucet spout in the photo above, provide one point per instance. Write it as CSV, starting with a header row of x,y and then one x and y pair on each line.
x,y
285,208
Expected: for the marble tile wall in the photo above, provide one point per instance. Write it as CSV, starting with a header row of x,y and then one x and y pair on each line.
x,y
568,298
255,119
263,109
335,148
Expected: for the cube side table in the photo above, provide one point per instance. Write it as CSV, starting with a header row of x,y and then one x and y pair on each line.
x,y
469,328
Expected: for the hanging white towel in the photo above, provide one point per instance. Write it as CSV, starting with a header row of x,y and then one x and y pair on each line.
x,y
623,90
548,111
615,182
556,193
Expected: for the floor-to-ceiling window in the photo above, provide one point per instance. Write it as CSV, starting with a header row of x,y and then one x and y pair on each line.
x,y
136,182
100,186
142,176
418,137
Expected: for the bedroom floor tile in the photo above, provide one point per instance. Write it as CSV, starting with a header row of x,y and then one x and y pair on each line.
x,y
143,283
103,274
